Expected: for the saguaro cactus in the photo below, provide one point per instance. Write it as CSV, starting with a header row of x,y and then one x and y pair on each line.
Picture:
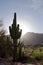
x,y
15,34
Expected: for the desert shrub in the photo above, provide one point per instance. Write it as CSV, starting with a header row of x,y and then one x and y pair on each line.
x,y
5,46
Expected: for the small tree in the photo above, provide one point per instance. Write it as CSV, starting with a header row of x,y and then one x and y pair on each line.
x,y
15,34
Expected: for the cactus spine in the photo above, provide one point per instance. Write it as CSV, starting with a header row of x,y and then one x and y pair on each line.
x,y
15,34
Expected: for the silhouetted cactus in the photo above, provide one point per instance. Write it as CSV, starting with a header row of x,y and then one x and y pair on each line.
x,y
15,34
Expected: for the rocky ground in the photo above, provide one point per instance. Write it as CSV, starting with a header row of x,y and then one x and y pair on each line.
x,y
9,62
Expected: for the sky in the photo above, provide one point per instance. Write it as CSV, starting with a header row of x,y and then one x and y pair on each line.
x,y
29,14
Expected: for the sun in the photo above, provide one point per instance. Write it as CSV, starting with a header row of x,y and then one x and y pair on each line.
x,y
24,28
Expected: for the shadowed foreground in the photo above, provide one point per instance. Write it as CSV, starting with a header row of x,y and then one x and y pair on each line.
x,y
9,62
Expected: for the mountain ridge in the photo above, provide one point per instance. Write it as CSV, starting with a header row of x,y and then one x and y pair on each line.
x,y
31,38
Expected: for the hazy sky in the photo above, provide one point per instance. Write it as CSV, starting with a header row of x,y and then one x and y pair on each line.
x,y
29,14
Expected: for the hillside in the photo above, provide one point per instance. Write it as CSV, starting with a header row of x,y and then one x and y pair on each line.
x,y
31,38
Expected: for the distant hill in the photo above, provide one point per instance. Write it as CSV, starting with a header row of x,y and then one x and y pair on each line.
x,y
31,38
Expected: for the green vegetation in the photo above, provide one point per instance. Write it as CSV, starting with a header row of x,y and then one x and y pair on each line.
x,y
34,53
31,54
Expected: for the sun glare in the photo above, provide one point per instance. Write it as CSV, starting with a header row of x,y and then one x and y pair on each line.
x,y
24,28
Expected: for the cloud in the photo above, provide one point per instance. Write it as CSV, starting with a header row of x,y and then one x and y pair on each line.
x,y
37,4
